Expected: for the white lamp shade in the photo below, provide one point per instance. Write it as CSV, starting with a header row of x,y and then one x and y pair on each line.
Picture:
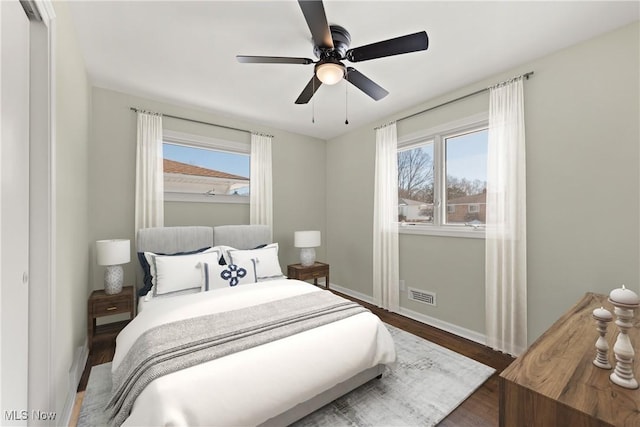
x,y
306,239
113,252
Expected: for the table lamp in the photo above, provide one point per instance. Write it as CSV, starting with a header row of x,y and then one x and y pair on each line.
x,y
307,241
113,253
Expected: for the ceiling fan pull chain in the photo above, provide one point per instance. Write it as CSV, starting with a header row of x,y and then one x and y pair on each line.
x,y
313,102
346,99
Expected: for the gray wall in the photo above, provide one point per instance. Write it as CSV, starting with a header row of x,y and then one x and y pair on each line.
x,y
583,188
72,220
298,177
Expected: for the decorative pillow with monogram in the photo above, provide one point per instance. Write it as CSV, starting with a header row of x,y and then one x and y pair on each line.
x,y
216,276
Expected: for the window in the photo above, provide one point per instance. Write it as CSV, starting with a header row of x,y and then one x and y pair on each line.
x,y
201,169
442,179
466,176
415,184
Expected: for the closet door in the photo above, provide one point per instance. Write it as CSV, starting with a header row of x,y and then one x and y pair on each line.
x,y
14,213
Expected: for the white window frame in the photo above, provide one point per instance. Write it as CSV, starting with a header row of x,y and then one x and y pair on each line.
x,y
199,141
438,135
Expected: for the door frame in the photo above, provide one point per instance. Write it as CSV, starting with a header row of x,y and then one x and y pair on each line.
x,y
42,214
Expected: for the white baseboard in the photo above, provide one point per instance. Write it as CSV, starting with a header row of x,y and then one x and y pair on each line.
x,y
423,318
352,293
75,375
445,326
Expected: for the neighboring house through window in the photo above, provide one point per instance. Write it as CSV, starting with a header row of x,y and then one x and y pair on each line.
x,y
202,169
442,174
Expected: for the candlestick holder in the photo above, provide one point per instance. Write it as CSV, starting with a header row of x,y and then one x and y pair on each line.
x,y
624,301
602,317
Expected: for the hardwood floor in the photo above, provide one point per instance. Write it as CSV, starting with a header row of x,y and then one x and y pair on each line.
x,y
480,409
104,347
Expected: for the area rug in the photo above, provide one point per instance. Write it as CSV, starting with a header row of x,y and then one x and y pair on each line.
x,y
424,385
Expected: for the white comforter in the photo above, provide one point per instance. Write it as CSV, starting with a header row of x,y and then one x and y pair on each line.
x,y
252,386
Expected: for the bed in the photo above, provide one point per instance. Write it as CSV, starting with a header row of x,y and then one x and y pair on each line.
x,y
274,383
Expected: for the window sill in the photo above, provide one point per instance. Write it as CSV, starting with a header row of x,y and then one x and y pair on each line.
x,y
204,198
445,231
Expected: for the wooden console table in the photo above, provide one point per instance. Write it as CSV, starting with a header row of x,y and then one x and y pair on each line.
x,y
554,383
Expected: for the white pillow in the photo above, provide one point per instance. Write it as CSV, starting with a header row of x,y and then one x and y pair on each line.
x,y
216,276
152,266
181,272
265,259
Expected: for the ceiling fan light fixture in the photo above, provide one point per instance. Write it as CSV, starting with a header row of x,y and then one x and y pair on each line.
x,y
331,46
330,73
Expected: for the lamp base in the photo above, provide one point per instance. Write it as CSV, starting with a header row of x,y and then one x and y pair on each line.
x,y
307,256
113,279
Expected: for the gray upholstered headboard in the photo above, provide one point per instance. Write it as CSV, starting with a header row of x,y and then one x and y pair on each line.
x,y
190,238
169,240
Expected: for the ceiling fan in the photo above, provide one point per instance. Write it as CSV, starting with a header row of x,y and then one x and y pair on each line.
x,y
331,47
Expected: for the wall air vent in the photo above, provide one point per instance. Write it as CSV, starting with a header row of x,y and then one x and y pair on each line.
x,y
424,297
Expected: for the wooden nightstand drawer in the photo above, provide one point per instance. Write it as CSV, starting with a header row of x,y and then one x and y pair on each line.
x,y
106,308
100,304
313,274
318,269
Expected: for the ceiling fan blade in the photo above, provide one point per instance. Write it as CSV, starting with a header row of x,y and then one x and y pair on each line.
x,y
396,46
313,11
272,60
309,90
365,84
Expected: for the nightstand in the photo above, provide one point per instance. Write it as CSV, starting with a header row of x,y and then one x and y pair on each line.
x,y
100,304
318,269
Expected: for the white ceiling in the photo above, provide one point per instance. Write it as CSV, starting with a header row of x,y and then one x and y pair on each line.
x,y
184,52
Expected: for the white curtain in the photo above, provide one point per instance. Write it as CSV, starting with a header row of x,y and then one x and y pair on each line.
x,y
260,197
149,207
506,238
386,275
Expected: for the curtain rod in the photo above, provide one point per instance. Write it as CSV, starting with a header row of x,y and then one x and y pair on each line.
x,y
525,75
203,123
